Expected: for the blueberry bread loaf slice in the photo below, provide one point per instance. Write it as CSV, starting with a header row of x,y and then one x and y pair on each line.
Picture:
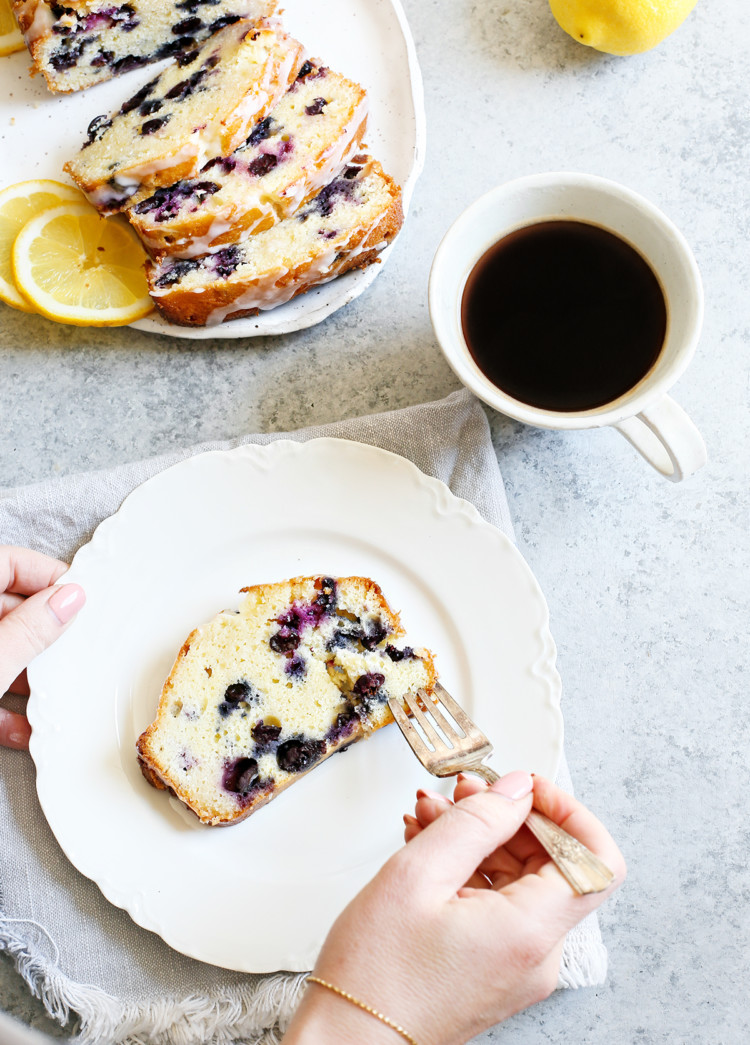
x,y
259,696
203,107
344,227
304,142
78,43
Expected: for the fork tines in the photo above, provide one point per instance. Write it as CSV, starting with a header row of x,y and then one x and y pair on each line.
x,y
427,711
458,714
420,704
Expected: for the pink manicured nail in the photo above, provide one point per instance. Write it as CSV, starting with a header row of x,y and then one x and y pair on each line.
x,y
514,785
424,793
20,732
66,602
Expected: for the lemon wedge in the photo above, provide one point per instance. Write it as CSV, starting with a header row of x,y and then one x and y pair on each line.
x,y
10,35
19,204
76,267
620,26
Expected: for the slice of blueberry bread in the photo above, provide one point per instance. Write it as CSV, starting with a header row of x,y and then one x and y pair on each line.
x,y
260,695
82,42
304,142
344,227
201,107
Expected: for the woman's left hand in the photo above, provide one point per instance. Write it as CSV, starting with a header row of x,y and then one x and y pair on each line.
x,y
34,611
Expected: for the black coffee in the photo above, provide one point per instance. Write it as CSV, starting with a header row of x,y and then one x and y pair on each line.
x,y
563,315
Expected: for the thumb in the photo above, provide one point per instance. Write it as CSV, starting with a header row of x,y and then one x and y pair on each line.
x,y
452,847
34,625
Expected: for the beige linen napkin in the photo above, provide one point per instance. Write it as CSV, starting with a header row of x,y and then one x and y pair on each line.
x,y
85,958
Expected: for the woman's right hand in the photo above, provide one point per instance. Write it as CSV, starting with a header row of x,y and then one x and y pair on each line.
x,y
34,611
462,927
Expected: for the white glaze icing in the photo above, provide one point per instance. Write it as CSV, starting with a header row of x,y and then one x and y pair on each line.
x,y
278,206
125,184
277,70
143,172
264,293
334,160
38,18
40,22
209,140
108,197
195,246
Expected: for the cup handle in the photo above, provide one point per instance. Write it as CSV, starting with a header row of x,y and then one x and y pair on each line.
x,y
667,438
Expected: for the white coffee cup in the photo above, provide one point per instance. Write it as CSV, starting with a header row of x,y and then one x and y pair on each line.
x,y
648,418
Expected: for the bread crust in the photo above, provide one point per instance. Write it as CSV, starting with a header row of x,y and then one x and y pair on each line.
x,y
188,308
227,130
162,241
36,21
152,763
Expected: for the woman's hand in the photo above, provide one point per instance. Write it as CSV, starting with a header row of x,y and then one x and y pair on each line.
x,y
34,611
463,927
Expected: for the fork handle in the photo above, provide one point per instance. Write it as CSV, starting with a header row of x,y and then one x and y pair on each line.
x,y
584,872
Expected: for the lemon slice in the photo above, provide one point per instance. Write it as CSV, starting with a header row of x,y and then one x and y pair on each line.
x,y
10,35
76,267
19,204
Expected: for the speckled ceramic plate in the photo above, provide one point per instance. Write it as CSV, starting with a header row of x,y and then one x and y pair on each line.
x,y
366,40
178,551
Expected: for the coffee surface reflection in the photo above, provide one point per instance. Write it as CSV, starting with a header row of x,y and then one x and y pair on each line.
x,y
563,315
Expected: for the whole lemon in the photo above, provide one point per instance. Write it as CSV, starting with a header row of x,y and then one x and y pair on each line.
x,y
620,26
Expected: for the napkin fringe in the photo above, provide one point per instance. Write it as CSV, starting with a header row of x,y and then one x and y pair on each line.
x,y
253,1014
584,957
58,994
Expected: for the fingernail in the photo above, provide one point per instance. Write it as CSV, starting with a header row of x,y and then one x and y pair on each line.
x,y
514,785
19,737
409,820
66,602
434,795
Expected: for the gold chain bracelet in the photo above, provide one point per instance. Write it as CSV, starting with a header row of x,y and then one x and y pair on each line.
x,y
366,1008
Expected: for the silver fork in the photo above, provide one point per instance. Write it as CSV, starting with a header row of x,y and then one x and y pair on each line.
x,y
452,753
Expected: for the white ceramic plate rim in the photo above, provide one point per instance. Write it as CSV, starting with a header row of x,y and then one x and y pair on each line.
x,y
59,712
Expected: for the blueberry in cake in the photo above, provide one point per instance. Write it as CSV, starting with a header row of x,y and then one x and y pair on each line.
x,y
345,226
302,145
78,43
259,696
196,109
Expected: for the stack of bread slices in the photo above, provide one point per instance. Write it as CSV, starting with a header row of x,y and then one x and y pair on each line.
x,y
241,165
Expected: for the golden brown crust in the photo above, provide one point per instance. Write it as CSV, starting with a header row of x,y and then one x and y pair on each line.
x,y
25,13
187,308
153,778
227,133
157,773
147,757
167,176
218,819
160,242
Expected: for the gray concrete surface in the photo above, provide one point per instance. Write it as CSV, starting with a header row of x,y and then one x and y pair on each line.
x,y
647,581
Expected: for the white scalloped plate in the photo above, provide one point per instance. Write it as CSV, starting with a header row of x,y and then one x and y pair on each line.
x,y
178,551
367,40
